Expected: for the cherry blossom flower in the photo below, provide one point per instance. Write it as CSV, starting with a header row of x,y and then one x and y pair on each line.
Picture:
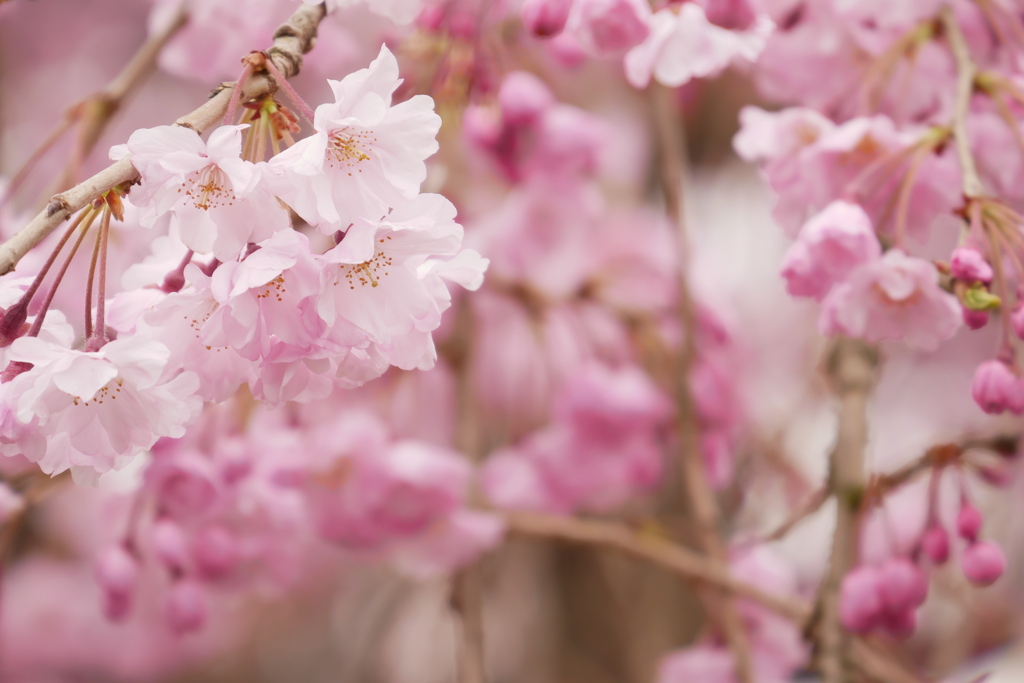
x,y
683,44
99,409
366,155
217,201
895,297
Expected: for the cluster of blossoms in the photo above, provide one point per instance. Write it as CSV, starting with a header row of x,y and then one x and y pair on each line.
x,y
249,373
268,308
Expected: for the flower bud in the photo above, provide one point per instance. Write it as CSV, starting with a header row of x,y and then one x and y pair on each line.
x,y
983,563
522,98
117,571
169,544
545,18
903,585
935,544
215,551
1017,320
969,265
185,607
996,388
968,522
974,320
860,600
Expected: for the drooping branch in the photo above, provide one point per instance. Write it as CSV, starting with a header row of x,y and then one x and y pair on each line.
x,y
292,40
699,493
852,371
966,71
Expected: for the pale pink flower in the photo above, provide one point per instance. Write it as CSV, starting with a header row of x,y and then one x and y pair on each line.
x,y
217,200
267,302
830,246
607,28
385,279
398,11
99,409
683,44
365,156
895,297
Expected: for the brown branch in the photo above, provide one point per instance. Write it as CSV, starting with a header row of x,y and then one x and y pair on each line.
x,y
292,39
699,492
686,563
694,568
966,71
98,109
852,369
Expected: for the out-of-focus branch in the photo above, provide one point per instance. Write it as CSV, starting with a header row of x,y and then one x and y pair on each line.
x,y
966,70
693,567
292,40
698,489
689,565
96,111
851,368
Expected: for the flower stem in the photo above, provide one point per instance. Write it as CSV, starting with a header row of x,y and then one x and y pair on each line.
x,y
37,324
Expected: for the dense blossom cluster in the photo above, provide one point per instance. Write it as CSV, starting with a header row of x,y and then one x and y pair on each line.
x,y
272,359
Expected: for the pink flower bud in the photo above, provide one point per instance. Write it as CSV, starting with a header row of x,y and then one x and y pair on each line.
x,y
185,607
169,544
968,522
996,388
860,600
903,585
900,624
983,562
974,320
1017,320
117,571
969,265
545,18
935,544
215,551
523,97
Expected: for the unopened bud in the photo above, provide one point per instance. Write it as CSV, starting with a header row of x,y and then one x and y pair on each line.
x,y
983,563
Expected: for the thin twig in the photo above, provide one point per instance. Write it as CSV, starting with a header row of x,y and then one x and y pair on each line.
x,y
966,70
291,40
699,492
852,370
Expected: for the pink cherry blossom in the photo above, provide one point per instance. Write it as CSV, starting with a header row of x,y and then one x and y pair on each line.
x,y
546,18
683,44
99,409
607,28
217,201
895,297
996,388
969,265
983,563
830,246
366,154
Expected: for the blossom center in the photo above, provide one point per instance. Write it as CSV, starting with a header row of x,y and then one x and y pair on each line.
x,y
108,392
208,188
348,149
368,272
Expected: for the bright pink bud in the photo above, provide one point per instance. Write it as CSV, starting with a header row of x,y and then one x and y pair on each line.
x,y
983,562
523,97
545,18
860,600
117,571
185,608
974,320
903,585
935,544
996,388
169,544
900,624
968,523
969,265
216,552
1017,320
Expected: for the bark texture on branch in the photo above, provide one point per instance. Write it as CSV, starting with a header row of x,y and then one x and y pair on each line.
x,y
292,40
